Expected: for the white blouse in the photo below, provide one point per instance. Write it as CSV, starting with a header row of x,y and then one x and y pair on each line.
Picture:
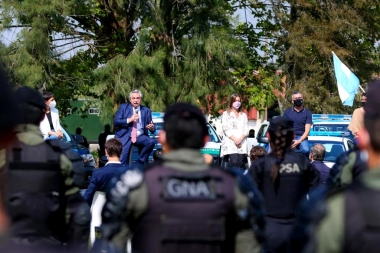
x,y
235,126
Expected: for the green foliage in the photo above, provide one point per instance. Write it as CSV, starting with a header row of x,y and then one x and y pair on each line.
x,y
171,50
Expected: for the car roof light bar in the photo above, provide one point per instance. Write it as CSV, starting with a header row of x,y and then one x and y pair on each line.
x,y
331,117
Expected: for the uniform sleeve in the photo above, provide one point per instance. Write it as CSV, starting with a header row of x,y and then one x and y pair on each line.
x,y
225,125
245,238
67,171
329,232
78,214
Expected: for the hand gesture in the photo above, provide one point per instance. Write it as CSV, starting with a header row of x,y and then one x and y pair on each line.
x,y
134,117
296,143
59,134
150,126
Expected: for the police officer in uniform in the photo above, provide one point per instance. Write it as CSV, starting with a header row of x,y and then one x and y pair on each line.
x,y
347,168
183,204
349,220
284,178
44,205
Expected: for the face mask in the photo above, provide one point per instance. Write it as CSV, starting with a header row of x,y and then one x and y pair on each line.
x,y
52,104
363,103
298,102
236,105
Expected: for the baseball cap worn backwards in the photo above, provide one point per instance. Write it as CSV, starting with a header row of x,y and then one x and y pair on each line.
x,y
186,111
280,123
372,107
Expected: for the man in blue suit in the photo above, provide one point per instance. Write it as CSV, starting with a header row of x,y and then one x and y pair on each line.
x,y
317,154
133,122
101,178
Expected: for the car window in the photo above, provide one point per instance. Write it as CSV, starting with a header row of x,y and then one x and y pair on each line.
x,y
350,144
213,135
333,149
263,130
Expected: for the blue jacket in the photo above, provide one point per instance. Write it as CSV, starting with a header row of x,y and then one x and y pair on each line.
x,y
101,179
323,169
124,130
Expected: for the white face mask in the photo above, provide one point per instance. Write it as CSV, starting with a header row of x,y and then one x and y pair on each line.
x,y
53,104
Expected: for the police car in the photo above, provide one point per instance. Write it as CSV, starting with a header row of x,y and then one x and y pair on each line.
x,y
212,147
332,123
331,136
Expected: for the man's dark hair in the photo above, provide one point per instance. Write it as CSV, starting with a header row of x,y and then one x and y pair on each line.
x,y
372,114
318,151
257,152
158,155
185,126
30,104
114,147
251,133
78,130
107,128
47,95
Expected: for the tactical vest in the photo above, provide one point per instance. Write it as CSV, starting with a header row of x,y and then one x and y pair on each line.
x,y
187,212
362,219
34,191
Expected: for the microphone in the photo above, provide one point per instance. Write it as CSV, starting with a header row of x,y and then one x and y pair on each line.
x,y
137,112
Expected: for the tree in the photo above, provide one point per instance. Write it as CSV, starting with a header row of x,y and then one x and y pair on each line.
x,y
311,31
302,34
171,50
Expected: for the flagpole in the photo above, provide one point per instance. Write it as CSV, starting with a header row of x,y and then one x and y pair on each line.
x,y
361,88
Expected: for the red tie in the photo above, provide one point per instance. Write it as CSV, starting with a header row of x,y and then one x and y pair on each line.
x,y
134,132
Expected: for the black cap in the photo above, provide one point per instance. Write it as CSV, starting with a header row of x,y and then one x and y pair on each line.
x,y
280,123
27,95
372,107
186,111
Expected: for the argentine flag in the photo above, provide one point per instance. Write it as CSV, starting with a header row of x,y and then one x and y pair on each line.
x,y
348,83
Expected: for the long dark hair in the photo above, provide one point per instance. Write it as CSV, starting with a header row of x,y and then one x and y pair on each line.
x,y
280,140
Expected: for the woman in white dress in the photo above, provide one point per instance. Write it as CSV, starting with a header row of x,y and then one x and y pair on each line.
x,y
235,130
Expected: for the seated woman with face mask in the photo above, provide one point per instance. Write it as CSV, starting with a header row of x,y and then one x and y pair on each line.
x,y
50,126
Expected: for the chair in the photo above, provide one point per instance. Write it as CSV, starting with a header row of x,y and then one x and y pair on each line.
x,y
96,213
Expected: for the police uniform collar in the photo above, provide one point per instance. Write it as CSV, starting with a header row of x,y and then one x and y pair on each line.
x,y
185,160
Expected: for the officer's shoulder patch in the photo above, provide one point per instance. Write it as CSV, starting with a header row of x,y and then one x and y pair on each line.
x,y
132,178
